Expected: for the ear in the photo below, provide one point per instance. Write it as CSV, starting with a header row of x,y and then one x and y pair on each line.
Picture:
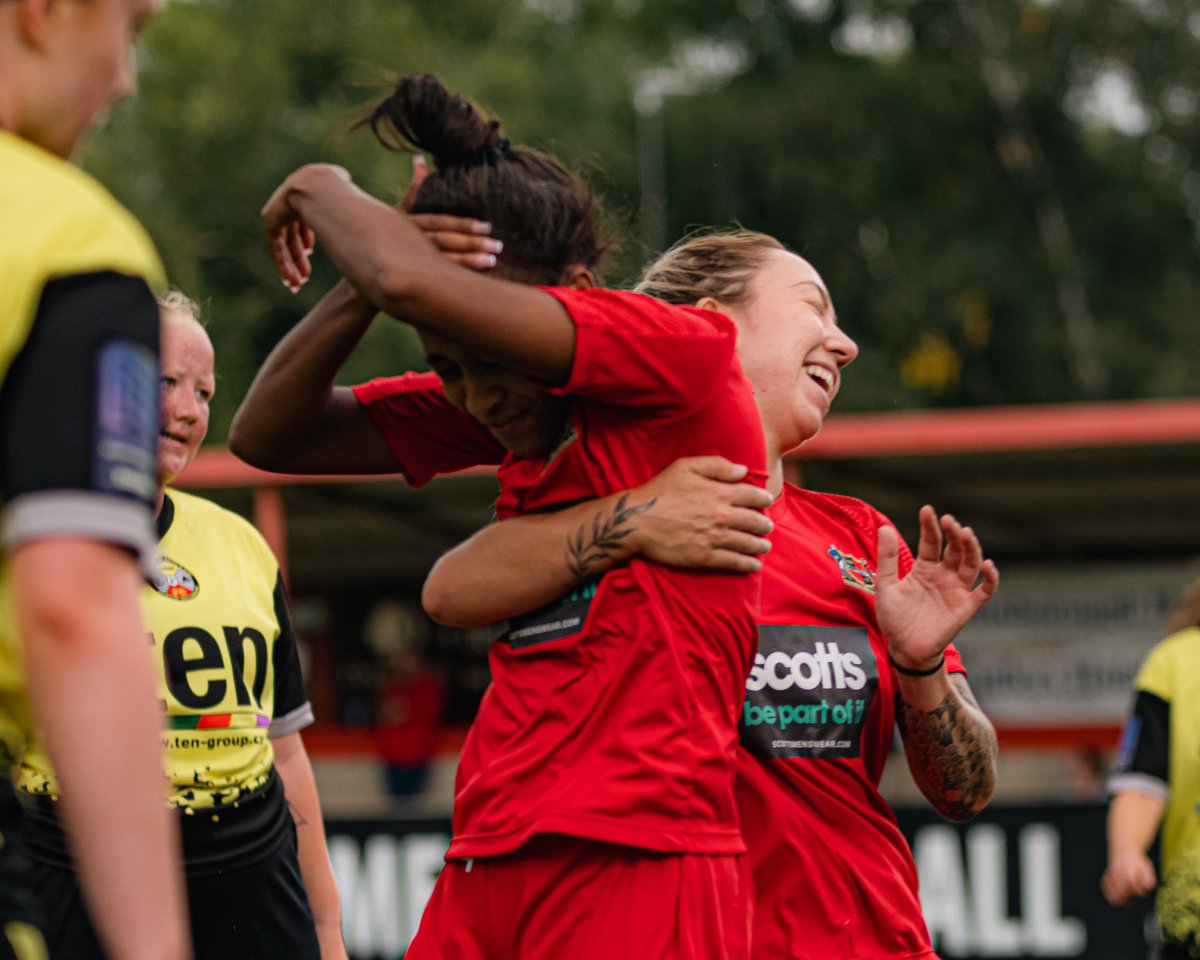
x,y
579,276
708,303
35,21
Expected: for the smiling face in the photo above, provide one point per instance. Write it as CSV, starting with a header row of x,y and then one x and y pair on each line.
x,y
75,60
188,383
526,419
791,348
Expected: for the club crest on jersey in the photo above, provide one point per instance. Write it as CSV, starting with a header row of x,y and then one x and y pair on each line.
x,y
174,580
855,572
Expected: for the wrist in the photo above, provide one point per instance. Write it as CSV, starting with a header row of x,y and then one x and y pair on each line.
x,y
926,668
310,178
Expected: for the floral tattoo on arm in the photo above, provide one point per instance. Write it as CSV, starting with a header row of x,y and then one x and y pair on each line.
x,y
594,542
951,753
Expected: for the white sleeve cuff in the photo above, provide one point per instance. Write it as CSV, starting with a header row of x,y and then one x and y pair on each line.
x,y
1141,783
85,514
292,722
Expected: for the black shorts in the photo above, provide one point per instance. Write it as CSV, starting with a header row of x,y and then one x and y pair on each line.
x,y
21,913
259,912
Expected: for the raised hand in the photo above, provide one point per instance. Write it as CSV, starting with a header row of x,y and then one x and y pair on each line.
x,y
949,582
290,240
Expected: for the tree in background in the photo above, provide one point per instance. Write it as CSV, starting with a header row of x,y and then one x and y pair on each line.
x,y
1003,196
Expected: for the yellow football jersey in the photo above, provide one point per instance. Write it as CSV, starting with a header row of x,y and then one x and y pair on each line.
x,y
229,669
55,222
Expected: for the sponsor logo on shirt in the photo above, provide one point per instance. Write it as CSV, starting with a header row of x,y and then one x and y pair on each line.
x,y
557,619
174,580
809,692
855,570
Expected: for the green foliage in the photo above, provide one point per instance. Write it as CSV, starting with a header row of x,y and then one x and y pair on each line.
x,y
917,189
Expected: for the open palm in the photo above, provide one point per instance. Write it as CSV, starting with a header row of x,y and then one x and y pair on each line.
x,y
949,581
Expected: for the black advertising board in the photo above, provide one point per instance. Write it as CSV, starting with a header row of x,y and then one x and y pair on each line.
x,y
1017,882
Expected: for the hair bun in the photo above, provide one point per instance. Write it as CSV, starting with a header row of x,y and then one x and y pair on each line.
x,y
421,114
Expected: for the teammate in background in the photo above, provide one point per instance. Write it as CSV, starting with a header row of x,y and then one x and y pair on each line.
x,y
78,425
594,805
1156,781
855,637
234,758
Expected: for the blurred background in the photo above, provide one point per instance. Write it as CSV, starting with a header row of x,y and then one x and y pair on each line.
x,y
1003,197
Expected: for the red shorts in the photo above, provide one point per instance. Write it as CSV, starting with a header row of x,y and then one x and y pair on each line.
x,y
563,897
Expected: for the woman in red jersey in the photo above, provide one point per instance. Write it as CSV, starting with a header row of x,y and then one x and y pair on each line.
x,y
855,636
594,809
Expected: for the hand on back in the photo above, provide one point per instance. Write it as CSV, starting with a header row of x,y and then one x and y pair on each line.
x,y
704,515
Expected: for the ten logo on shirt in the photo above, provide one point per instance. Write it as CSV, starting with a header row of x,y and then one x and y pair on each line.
x,y
809,692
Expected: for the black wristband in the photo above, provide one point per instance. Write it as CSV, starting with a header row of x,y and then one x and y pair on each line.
x,y
917,673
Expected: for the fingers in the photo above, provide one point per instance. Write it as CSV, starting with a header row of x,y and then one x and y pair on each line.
x,y
748,520
280,251
962,551
297,236
751,497
732,560
737,541
1123,882
951,530
929,546
420,171
991,579
465,227
463,240
729,474
888,553
713,467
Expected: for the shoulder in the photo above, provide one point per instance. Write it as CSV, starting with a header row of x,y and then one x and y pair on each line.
x,y
1179,648
636,310
411,387
213,524
847,512
66,222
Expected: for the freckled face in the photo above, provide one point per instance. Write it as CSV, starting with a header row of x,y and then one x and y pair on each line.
x,y
791,348
188,383
526,419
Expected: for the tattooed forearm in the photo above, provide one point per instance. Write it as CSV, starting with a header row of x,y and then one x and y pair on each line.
x,y
593,542
951,752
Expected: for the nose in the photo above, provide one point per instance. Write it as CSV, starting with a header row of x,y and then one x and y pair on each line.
x,y
180,404
481,396
125,81
841,345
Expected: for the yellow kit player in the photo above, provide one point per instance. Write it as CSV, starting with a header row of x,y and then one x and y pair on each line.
x,y
78,426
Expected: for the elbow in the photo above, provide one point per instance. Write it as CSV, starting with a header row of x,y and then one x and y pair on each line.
x,y
443,604
436,599
250,444
391,283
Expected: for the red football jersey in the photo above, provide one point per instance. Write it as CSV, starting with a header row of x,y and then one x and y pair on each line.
x,y
426,434
612,713
834,878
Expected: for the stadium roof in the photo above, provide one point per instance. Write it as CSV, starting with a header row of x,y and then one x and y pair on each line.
x,y
1100,480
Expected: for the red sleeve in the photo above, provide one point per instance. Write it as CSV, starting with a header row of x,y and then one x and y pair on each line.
x,y
425,432
634,351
